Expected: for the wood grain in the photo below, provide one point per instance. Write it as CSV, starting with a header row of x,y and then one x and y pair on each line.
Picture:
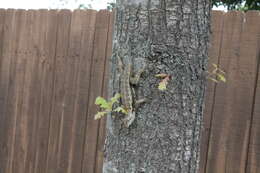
x,y
46,84
214,53
16,141
253,48
234,100
82,90
102,124
96,83
54,160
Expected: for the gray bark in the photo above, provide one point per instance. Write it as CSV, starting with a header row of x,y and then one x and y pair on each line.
x,y
164,36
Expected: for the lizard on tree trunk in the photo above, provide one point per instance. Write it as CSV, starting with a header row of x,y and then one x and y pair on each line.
x,y
129,102
169,37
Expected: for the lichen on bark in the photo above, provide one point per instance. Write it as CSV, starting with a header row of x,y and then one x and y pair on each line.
x,y
164,36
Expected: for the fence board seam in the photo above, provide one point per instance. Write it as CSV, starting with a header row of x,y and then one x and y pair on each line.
x,y
52,90
2,116
254,100
253,108
89,89
102,89
214,96
60,60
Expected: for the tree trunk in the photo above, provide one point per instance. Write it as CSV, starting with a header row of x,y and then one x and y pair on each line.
x,y
161,36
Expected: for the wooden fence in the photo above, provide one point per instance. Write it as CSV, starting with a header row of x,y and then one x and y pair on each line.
x,y
53,64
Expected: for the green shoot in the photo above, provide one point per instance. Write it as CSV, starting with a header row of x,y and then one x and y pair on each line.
x,y
107,106
216,75
120,109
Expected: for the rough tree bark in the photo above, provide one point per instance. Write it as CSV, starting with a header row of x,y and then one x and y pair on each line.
x,y
164,36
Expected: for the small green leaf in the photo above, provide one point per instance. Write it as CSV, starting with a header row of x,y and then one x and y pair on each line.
x,y
214,80
217,69
99,115
162,75
215,65
162,85
115,98
221,71
102,102
218,73
221,77
120,109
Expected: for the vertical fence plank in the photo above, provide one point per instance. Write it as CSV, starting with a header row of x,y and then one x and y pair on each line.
x,y
58,104
2,100
2,20
102,124
96,83
88,19
233,103
253,161
19,144
2,89
70,95
16,76
33,78
25,123
26,126
214,53
27,115
216,149
8,45
231,38
7,89
46,64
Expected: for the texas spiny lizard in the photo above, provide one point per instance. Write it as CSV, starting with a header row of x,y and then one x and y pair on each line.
x,y
128,96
